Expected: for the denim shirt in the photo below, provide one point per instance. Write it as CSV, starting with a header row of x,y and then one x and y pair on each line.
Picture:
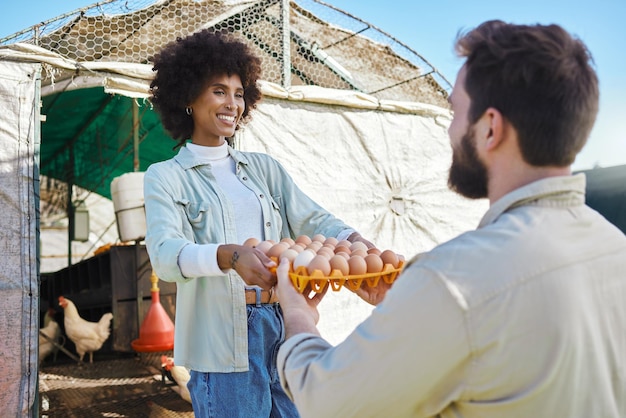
x,y
184,205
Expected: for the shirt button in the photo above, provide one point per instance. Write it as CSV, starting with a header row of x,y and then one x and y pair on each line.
x,y
261,196
268,224
245,178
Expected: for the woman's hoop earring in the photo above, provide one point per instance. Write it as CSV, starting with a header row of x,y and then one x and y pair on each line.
x,y
188,110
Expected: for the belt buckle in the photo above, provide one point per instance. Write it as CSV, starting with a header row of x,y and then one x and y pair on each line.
x,y
257,291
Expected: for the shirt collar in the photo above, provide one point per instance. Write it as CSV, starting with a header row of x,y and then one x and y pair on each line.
x,y
188,159
552,191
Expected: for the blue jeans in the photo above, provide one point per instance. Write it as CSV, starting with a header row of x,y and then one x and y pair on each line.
x,y
253,394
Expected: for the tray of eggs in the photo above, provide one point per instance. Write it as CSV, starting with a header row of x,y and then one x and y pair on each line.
x,y
319,261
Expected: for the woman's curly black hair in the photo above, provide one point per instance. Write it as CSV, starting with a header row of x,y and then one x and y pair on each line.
x,y
183,69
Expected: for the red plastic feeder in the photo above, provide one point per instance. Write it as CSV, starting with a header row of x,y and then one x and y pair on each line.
x,y
157,329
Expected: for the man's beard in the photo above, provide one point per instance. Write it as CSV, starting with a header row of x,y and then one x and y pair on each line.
x,y
468,175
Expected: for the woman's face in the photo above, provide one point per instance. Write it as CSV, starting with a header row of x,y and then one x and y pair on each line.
x,y
217,110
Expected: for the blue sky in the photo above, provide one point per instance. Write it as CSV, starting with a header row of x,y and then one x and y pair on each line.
x,y
430,27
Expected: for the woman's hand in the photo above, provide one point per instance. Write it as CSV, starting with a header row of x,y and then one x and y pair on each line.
x,y
356,237
250,263
373,295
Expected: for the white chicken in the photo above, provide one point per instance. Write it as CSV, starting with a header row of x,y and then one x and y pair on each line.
x,y
87,336
52,330
180,375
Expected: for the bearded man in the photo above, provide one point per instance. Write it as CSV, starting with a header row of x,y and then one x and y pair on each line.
x,y
524,316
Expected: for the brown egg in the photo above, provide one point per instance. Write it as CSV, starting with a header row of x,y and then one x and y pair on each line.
x,y
288,241
343,242
319,238
343,254
389,257
297,248
360,252
251,242
277,249
319,262
326,252
289,254
314,245
374,263
303,239
331,241
264,246
358,246
338,262
357,265
342,249
374,251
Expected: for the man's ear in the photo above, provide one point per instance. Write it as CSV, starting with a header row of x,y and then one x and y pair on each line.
x,y
492,123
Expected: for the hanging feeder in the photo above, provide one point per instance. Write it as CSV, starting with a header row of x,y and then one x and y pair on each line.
x,y
157,329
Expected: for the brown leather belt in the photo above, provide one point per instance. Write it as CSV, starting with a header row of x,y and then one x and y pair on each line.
x,y
265,296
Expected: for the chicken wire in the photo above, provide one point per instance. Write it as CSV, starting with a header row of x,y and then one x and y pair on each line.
x,y
303,42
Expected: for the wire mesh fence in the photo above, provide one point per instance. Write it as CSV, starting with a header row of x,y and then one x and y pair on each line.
x,y
303,42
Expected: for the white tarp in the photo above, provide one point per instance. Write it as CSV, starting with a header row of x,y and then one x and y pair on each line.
x,y
19,290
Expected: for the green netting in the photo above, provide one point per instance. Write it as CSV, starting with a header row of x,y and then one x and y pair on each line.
x,y
88,138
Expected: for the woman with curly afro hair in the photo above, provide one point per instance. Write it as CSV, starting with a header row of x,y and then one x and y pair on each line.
x,y
202,206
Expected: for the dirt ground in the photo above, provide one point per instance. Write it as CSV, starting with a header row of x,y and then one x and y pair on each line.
x,y
115,386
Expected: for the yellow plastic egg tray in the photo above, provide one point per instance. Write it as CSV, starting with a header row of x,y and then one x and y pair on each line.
x,y
318,282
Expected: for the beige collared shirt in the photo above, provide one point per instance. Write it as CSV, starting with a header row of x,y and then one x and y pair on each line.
x,y
523,317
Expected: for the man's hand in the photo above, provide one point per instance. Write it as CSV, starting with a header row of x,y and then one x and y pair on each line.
x,y
299,309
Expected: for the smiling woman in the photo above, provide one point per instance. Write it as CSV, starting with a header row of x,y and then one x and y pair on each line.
x,y
202,206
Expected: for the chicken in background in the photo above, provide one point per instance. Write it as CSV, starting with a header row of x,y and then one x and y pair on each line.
x,y
179,374
87,336
52,330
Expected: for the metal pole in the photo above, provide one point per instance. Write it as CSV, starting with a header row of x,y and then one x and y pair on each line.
x,y
70,205
139,289
135,136
286,76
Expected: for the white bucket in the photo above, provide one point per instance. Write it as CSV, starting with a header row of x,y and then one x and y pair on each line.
x,y
128,203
